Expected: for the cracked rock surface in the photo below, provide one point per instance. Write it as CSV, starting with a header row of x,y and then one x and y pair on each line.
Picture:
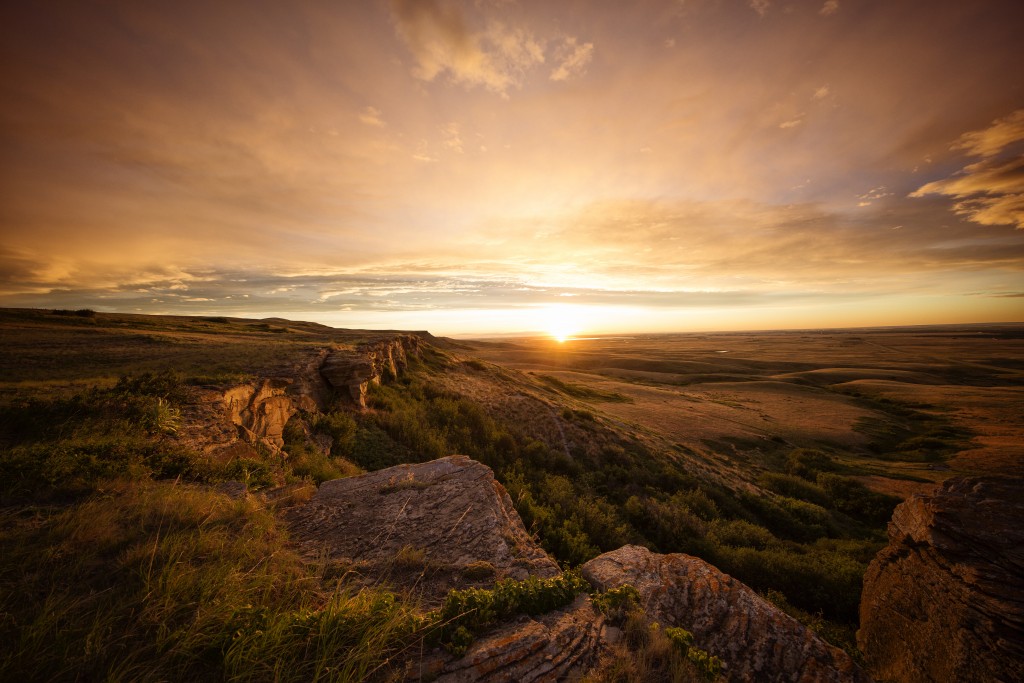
x,y
755,640
440,521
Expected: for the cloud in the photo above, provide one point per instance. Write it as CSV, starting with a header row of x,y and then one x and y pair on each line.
x,y
992,140
760,6
371,116
989,191
442,42
452,138
821,93
792,123
574,59
829,8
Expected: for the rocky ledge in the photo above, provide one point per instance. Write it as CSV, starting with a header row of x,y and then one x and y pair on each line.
x,y
447,524
353,370
944,601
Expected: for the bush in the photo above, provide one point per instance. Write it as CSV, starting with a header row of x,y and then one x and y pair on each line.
x,y
807,463
853,498
467,611
794,487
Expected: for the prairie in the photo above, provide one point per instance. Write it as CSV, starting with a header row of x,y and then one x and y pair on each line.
x,y
776,456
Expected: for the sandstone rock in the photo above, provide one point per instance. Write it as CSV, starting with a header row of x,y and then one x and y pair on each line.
x,y
354,369
944,601
261,410
454,519
435,524
755,640
551,647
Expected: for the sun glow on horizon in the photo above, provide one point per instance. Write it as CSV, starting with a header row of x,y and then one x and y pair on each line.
x,y
564,321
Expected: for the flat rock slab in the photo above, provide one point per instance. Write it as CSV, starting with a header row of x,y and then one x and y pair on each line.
x,y
755,640
447,522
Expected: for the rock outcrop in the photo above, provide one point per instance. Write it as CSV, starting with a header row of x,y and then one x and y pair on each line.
x,y
754,639
260,411
557,646
449,524
944,601
354,369
447,520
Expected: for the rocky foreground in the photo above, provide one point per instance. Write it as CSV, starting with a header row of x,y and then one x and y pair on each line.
x,y
448,523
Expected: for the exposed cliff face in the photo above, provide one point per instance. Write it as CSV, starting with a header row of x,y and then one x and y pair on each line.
x,y
353,370
755,640
260,411
232,423
945,600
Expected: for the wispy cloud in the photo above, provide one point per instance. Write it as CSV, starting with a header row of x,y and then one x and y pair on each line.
x,y
371,116
760,6
989,191
442,42
829,8
573,59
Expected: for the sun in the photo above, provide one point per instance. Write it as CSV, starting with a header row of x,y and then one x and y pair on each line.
x,y
563,321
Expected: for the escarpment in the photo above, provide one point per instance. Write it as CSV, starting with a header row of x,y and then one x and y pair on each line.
x,y
944,601
249,418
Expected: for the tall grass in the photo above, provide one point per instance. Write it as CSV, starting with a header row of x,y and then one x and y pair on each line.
x,y
161,581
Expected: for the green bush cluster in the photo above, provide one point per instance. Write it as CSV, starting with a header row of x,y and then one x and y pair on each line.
x,y
465,612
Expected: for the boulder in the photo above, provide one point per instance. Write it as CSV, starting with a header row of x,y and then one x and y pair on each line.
x,y
432,526
754,639
944,601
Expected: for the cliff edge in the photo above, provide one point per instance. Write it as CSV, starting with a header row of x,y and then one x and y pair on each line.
x,y
944,601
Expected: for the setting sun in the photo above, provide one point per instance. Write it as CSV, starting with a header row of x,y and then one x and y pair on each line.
x,y
562,321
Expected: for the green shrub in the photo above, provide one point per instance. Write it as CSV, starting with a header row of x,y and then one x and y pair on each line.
x,y
739,533
617,603
465,612
807,463
794,487
255,474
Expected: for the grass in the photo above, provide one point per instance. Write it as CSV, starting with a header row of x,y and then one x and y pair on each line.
x,y
163,581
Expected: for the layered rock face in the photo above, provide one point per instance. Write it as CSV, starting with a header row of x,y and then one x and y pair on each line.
x,y
449,524
944,601
261,410
755,640
450,514
353,370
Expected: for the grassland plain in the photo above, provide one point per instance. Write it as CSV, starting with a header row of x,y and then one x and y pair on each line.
x,y
777,457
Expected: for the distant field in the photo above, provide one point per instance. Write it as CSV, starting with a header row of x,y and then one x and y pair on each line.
x,y
735,398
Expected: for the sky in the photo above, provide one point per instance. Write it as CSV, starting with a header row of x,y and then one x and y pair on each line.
x,y
504,166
